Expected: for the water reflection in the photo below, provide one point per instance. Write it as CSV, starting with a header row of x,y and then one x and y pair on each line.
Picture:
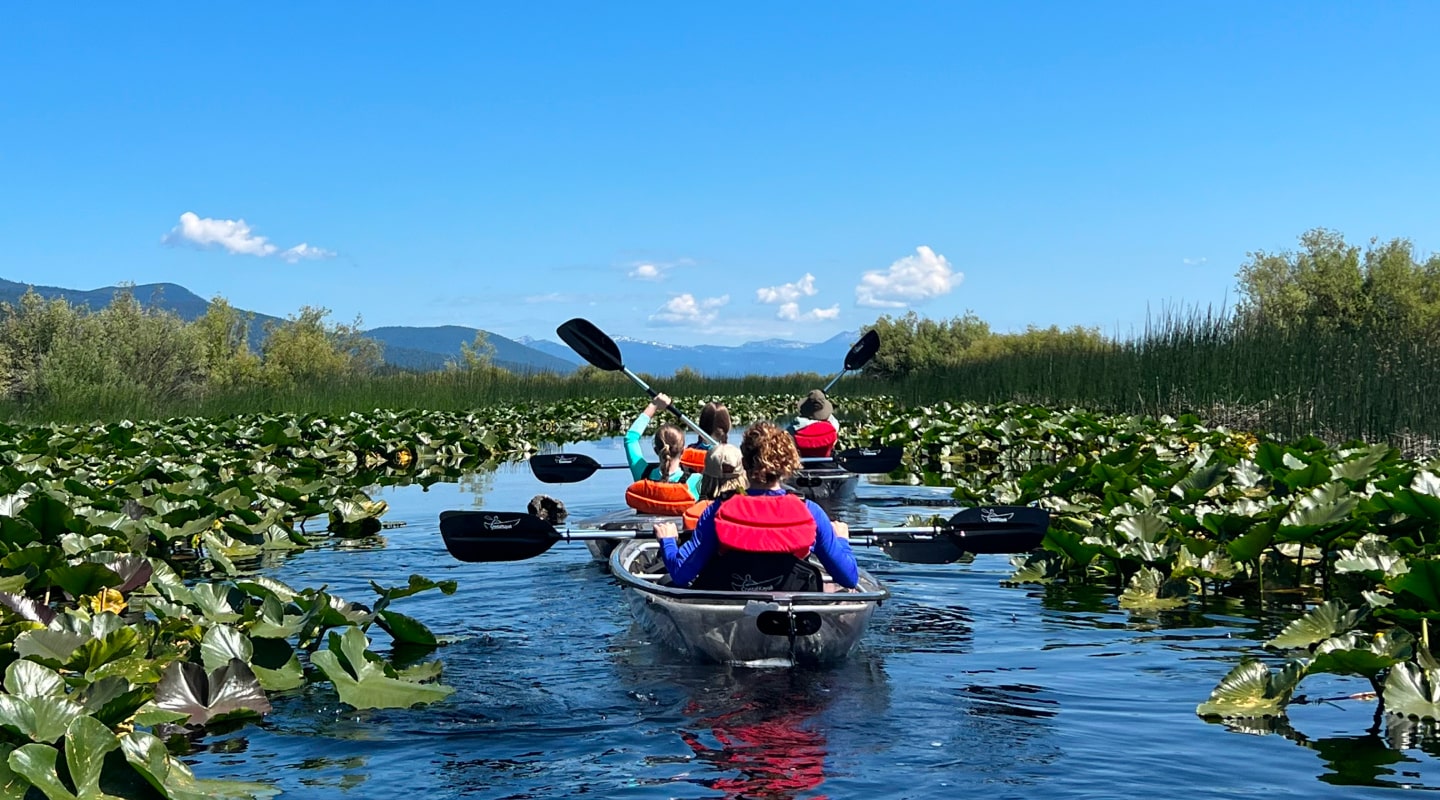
x,y
1370,759
766,733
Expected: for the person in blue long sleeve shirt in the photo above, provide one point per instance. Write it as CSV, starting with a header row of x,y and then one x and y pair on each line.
x,y
779,519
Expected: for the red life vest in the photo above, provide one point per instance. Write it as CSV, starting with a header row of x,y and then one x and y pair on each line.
x,y
816,440
692,514
662,498
765,524
692,458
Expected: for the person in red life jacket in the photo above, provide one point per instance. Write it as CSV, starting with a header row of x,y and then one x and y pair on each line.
x,y
714,421
758,540
815,428
723,475
662,489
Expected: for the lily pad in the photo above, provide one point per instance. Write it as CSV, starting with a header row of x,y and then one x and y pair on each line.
x,y
363,683
1322,622
1150,591
1413,691
1252,690
173,779
231,691
87,740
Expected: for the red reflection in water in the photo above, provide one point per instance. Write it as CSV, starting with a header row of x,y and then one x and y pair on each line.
x,y
777,757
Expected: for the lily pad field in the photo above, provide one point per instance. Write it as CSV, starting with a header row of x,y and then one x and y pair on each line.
x,y
261,605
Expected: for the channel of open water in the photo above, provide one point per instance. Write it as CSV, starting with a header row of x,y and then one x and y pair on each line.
x,y
962,687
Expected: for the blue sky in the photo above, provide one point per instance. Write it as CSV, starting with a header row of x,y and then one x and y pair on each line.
x,y
675,172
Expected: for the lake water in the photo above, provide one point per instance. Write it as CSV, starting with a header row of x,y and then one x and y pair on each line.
x,y
962,687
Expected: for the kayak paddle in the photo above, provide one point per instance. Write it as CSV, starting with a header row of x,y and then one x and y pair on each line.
x,y
860,354
576,467
591,344
515,536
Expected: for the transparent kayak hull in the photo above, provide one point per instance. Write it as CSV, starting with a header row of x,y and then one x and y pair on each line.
x,y
757,629
825,484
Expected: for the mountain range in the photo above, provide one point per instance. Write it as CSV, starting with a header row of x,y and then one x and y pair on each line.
x,y
429,348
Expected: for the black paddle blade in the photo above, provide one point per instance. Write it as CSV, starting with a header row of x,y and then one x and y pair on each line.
x,y
563,467
591,344
999,529
940,550
870,459
862,351
495,535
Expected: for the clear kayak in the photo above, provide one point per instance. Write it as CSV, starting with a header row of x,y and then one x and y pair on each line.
x,y
625,519
825,482
756,629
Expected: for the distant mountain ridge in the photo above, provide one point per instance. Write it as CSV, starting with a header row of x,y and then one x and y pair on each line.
x,y
429,348
764,357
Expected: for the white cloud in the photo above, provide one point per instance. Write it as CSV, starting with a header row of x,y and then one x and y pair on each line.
x,y
656,270
235,236
786,295
684,309
791,312
1193,262
304,252
788,292
912,279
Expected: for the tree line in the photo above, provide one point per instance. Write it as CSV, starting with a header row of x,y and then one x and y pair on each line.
x,y
1326,286
54,352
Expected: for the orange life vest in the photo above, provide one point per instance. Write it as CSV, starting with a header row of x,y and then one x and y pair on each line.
x,y
662,498
765,524
692,458
692,514
816,440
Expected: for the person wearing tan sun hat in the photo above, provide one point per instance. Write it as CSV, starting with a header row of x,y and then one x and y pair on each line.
x,y
723,475
815,428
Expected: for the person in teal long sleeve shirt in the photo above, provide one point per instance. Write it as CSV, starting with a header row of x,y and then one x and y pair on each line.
x,y
669,444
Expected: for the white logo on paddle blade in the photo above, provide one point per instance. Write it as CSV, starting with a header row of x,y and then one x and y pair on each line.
x,y
499,524
865,451
564,459
989,515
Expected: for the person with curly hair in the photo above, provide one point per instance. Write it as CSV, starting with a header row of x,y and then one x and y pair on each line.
x,y
759,539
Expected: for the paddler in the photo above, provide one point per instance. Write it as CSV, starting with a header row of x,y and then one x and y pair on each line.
x,y
758,540
663,489
723,476
815,428
714,421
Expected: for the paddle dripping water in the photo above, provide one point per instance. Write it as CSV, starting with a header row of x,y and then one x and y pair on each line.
x,y
960,687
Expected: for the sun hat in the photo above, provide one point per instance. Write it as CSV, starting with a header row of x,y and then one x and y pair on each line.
x,y
722,461
816,405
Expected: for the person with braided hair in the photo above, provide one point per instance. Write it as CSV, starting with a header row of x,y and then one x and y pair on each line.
x,y
759,539
663,488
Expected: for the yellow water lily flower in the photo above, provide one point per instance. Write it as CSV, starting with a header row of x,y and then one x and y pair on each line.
x,y
107,600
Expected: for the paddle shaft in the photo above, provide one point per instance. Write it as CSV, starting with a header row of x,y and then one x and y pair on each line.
x,y
689,423
513,536
856,535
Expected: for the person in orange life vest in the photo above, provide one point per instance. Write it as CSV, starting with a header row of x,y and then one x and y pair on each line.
x,y
723,475
651,492
815,428
715,421
764,520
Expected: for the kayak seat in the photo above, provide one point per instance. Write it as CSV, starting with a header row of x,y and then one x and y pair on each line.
x,y
731,571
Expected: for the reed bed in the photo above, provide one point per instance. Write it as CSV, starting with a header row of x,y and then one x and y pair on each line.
x,y
1337,384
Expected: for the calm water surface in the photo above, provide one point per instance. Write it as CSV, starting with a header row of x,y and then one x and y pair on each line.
x,y
962,687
